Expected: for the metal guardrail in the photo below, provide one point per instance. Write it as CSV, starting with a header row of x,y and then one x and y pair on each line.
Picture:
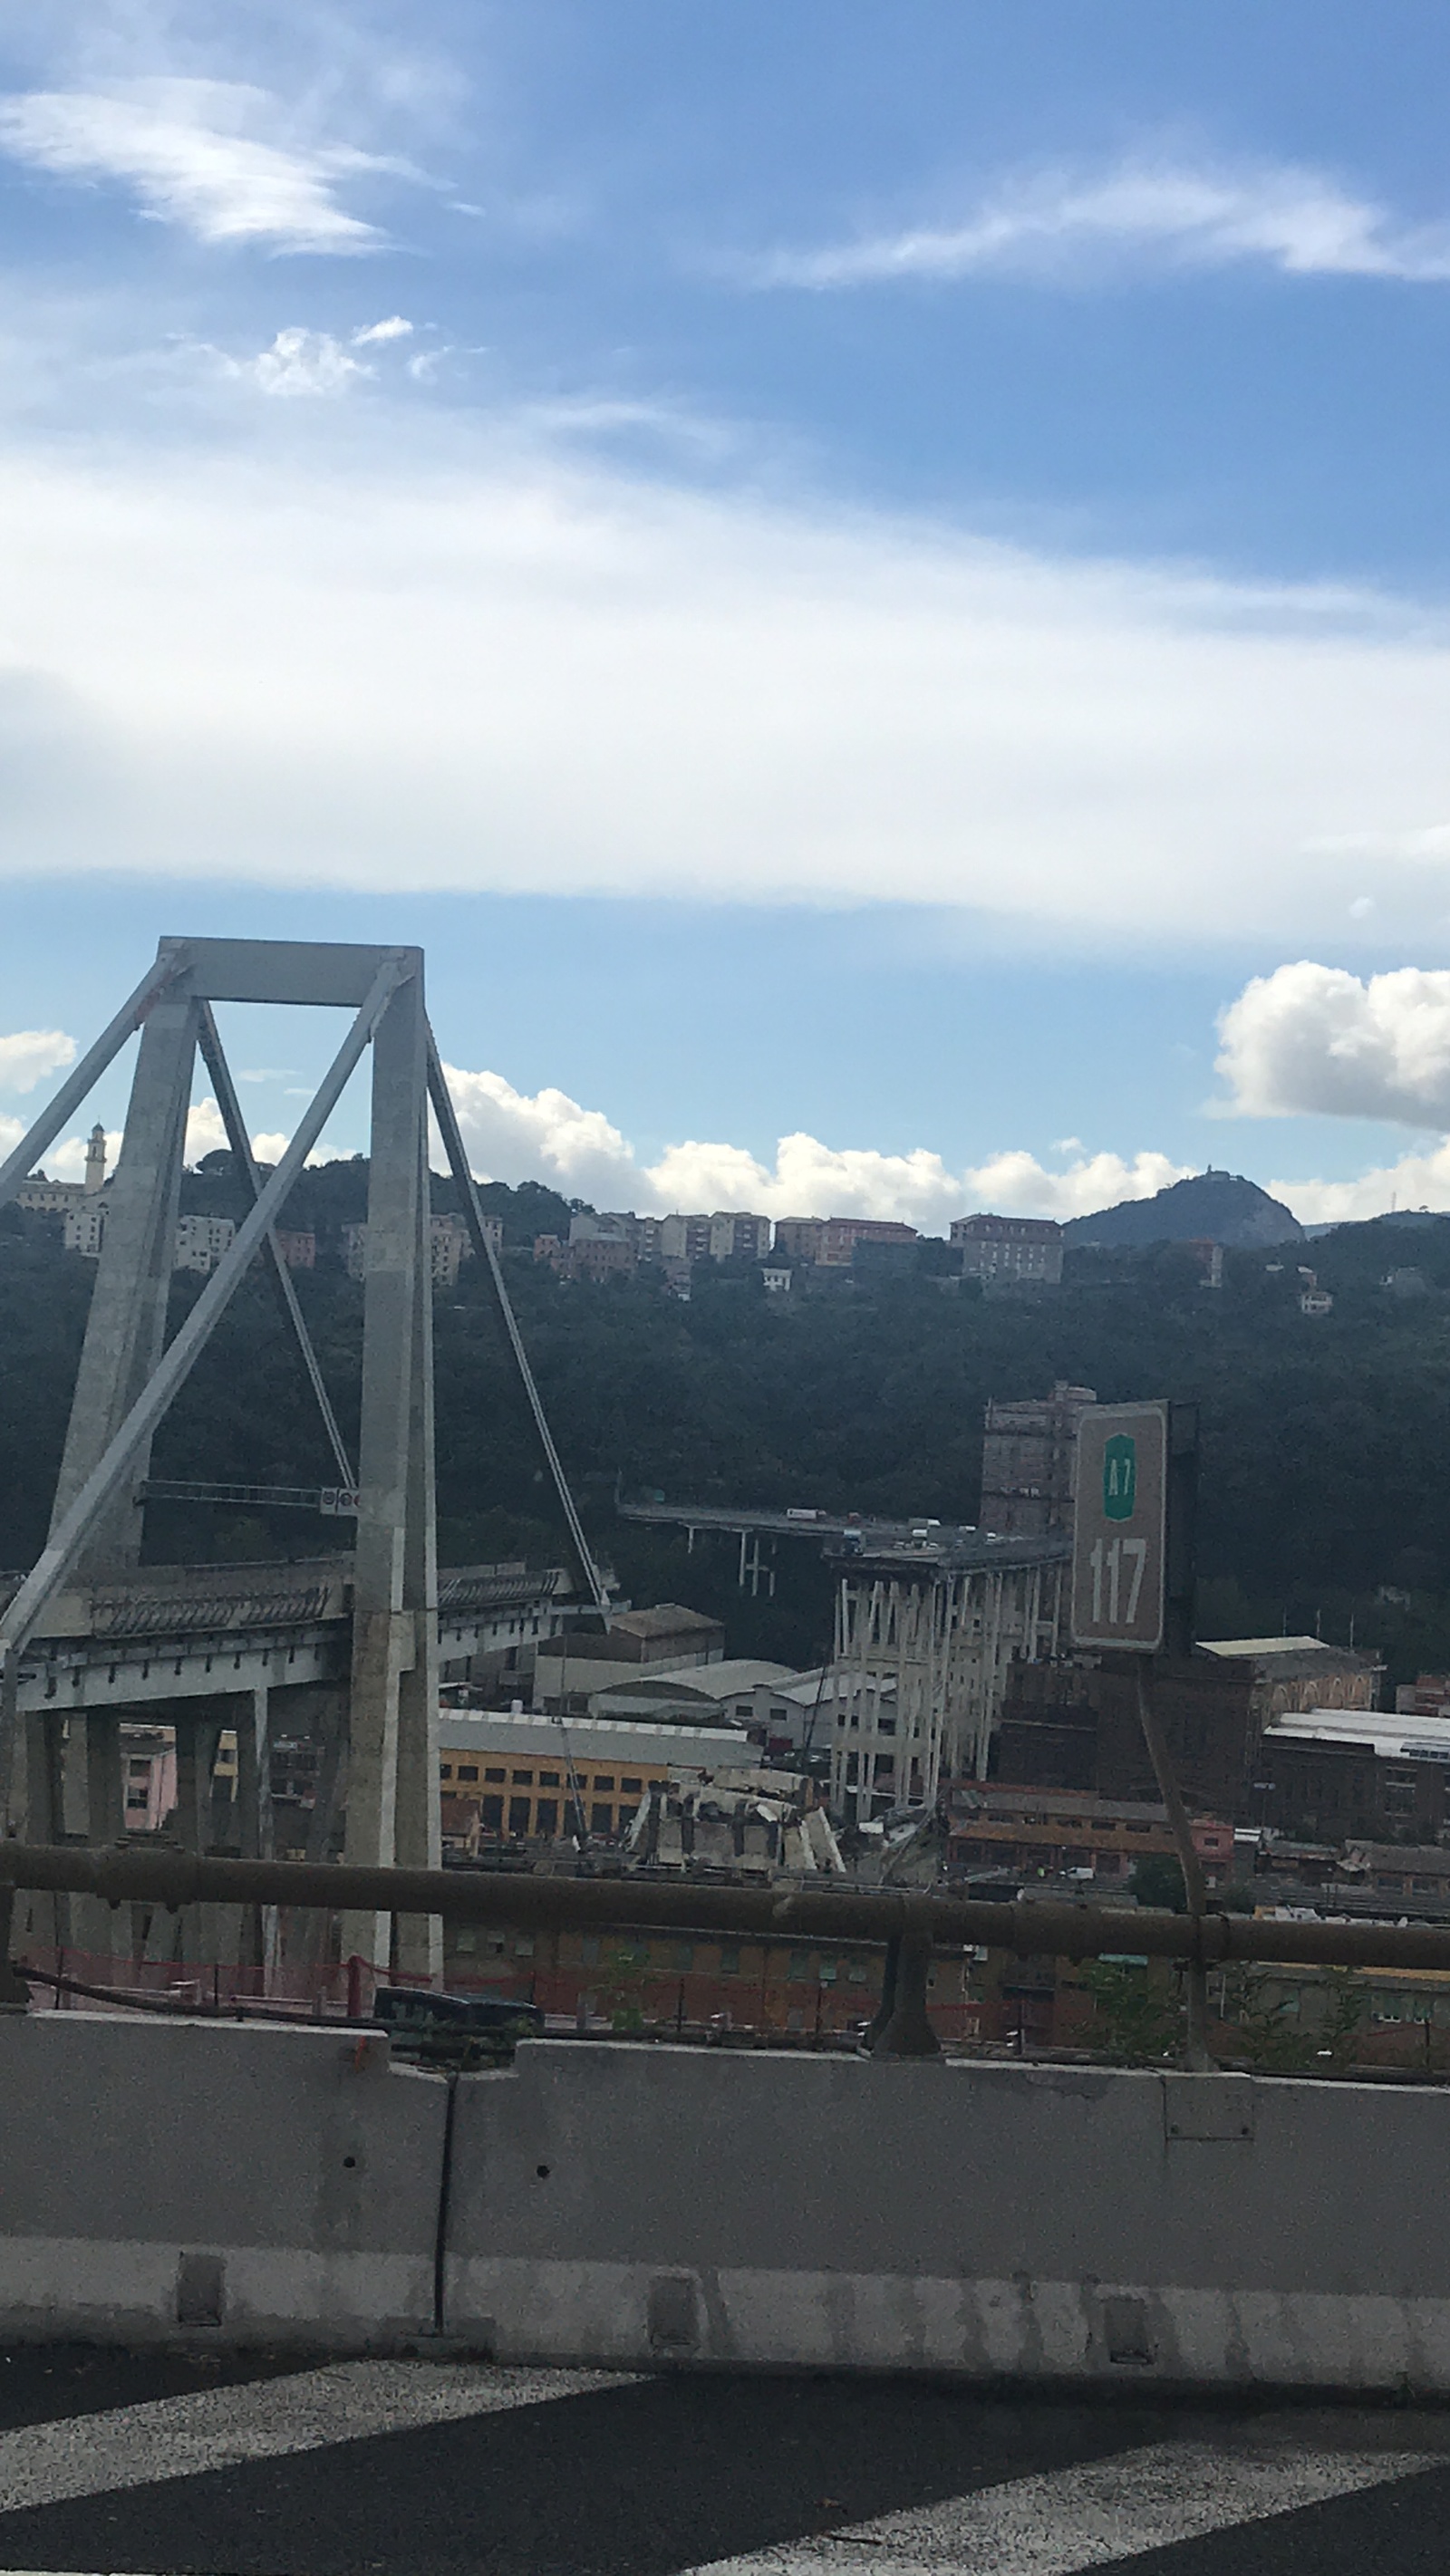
x,y
910,1925
1050,1929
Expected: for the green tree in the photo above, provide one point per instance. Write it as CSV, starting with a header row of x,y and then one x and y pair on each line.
x,y
1157,1879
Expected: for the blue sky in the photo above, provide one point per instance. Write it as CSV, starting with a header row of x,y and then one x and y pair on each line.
x,y
869,577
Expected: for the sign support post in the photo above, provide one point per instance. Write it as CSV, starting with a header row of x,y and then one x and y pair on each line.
x,y
1132,1592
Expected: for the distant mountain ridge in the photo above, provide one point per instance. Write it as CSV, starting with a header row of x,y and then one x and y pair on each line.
x,y
1209,1207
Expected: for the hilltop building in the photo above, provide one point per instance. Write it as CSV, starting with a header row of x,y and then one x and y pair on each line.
x,y
59,1198
995,1248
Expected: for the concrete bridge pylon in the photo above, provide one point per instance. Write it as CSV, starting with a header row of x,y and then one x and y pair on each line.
x,y
128,1375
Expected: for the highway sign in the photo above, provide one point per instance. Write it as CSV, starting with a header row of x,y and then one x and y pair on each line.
x,y
1120,1527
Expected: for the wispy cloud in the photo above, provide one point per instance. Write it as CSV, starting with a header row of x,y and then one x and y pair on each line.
x,y
1066,224
395,328
301,362
445,653
211,156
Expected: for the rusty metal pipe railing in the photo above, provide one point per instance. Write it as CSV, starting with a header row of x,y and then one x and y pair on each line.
x,y
1046,1929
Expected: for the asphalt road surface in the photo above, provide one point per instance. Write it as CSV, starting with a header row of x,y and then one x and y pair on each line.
x,y
167,2463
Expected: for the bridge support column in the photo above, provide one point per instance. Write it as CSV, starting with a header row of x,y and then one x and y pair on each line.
x,y
392,1790
418,1838
126,1326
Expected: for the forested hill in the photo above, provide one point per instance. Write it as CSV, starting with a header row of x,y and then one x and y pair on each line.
x,y
1325,1439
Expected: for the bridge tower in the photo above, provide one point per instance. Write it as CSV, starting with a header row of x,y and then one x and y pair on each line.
x,y
129,1375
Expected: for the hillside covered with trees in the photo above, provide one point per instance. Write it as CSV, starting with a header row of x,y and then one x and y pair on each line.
x,y
1325,1439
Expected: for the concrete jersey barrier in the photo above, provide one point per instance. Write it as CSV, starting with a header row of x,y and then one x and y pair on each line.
x,y
204,2180
638,2206
645,2206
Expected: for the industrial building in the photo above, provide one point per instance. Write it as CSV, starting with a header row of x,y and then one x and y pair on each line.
x,y
507,1772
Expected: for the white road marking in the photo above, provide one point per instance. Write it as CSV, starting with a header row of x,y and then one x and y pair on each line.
x,y
263,2419
1089,2516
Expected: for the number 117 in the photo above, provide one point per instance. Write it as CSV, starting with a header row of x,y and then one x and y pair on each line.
x,y
1126,1557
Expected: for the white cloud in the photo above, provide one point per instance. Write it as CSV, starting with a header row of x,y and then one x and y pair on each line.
x,y
206,1134
209,155
395,328
1063,223
1315,1039
545,1136
29,1055
1415,1181
451,659
205,1131
301,362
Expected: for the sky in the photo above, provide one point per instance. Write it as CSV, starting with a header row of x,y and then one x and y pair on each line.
x,y
872,584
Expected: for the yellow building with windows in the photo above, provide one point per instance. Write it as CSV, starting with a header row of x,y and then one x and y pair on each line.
x,y
506,1774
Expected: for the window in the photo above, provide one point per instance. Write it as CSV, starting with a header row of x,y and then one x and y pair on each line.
x,y
684,1955
743,1708
858,1972
490,1815
627,1816
550,1780
519,1815
546,1816
468,1770
800,1967
493,1775
523,1779
632,1788
446,1769
589,1950
601,1819
524,1946
604,1780
730,1960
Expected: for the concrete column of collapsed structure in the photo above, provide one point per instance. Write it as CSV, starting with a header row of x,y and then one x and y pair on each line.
x,y
394,1616
924,1654
126,1326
